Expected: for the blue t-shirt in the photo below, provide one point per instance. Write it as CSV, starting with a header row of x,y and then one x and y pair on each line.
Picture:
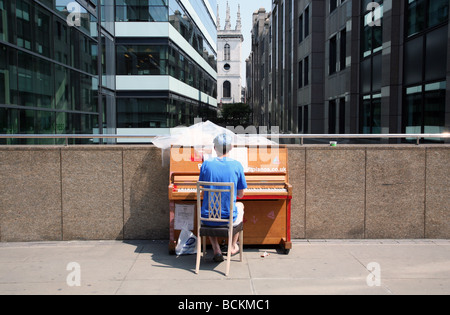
x,y
222,170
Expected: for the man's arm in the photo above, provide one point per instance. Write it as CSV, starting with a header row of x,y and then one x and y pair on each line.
x,y
240,193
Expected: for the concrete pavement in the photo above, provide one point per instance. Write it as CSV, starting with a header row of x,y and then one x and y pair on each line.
x,y
145,267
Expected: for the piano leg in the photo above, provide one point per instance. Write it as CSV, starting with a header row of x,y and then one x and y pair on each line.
x,y
286,244
172,241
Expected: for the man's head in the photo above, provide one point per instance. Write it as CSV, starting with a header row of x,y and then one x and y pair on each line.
x,y
223,144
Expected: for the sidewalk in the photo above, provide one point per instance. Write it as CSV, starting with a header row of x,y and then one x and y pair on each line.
x,y
145,267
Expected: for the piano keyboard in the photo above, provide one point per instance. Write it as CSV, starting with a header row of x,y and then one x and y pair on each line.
x,y
248,190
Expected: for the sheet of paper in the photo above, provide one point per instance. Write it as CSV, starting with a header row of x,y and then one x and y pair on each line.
x,y
241,155
238,154
184,215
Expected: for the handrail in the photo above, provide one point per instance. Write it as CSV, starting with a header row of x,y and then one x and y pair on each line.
x,y
416,136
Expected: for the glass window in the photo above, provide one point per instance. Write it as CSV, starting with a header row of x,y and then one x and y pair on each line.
x,y
306,71
61,42
43,32
8,76
24,26
413,60
6,20
65,7
142,60
35,82
306,22
332,117
425,108
423,14
333,5
227,54
376,72
62,88
437,12
343,49
300,29
342,115
143,113
434,109
4,75
226,89
332,55
300,74
416,16
370,114
366,76
436,54
372,33
413,108
84,52
142,10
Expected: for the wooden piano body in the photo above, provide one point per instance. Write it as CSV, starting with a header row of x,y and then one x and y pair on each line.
x,y
267,199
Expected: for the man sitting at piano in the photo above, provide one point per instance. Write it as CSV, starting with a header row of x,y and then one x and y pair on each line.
x,y
226,170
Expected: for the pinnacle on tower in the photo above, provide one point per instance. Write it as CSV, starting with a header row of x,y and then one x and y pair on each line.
x,y
228,18
239,21
218,18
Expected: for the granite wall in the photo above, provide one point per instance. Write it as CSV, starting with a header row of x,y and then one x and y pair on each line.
x,y
53,193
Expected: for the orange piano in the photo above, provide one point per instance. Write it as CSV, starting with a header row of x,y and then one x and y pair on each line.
x,y
267,200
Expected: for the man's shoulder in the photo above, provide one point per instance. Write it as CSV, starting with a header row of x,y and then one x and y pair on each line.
x,y
236,164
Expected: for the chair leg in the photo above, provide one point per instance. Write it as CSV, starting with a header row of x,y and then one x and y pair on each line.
x,y
241,245
204,247
199,247
230,244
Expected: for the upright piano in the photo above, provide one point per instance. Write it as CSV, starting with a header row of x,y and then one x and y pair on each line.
x,y
267,200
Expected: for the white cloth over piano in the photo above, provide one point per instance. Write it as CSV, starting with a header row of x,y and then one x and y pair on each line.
x,y
202,135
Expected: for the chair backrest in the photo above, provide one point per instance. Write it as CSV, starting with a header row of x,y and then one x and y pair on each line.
x,y
215,201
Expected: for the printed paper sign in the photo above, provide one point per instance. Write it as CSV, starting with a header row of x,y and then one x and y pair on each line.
x,y
184,215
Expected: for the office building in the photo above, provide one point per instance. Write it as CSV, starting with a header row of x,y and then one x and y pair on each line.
x,y
89,67
343,66
166,72
49,71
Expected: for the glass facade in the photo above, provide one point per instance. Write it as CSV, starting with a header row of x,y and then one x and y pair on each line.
x,y
172,11
48,75
425,64
164,59
153,56
371,67
158,112
59,60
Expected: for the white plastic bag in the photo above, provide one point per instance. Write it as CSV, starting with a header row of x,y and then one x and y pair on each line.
x,y
187,243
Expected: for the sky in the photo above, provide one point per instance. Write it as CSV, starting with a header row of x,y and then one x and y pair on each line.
x,y
247,9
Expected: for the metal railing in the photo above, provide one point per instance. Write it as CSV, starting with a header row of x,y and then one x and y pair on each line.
x,y
302,137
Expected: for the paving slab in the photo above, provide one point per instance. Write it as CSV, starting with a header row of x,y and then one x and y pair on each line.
x,y
330,267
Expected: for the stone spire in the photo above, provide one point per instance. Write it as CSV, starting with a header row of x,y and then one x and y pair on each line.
x,y
218,18
228,19
239,21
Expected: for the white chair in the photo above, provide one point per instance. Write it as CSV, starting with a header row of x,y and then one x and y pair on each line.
x,y
215,215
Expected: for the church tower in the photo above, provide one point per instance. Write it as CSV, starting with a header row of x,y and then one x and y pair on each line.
x,y
229,59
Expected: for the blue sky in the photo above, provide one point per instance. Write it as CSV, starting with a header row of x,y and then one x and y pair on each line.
x,y
247,9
